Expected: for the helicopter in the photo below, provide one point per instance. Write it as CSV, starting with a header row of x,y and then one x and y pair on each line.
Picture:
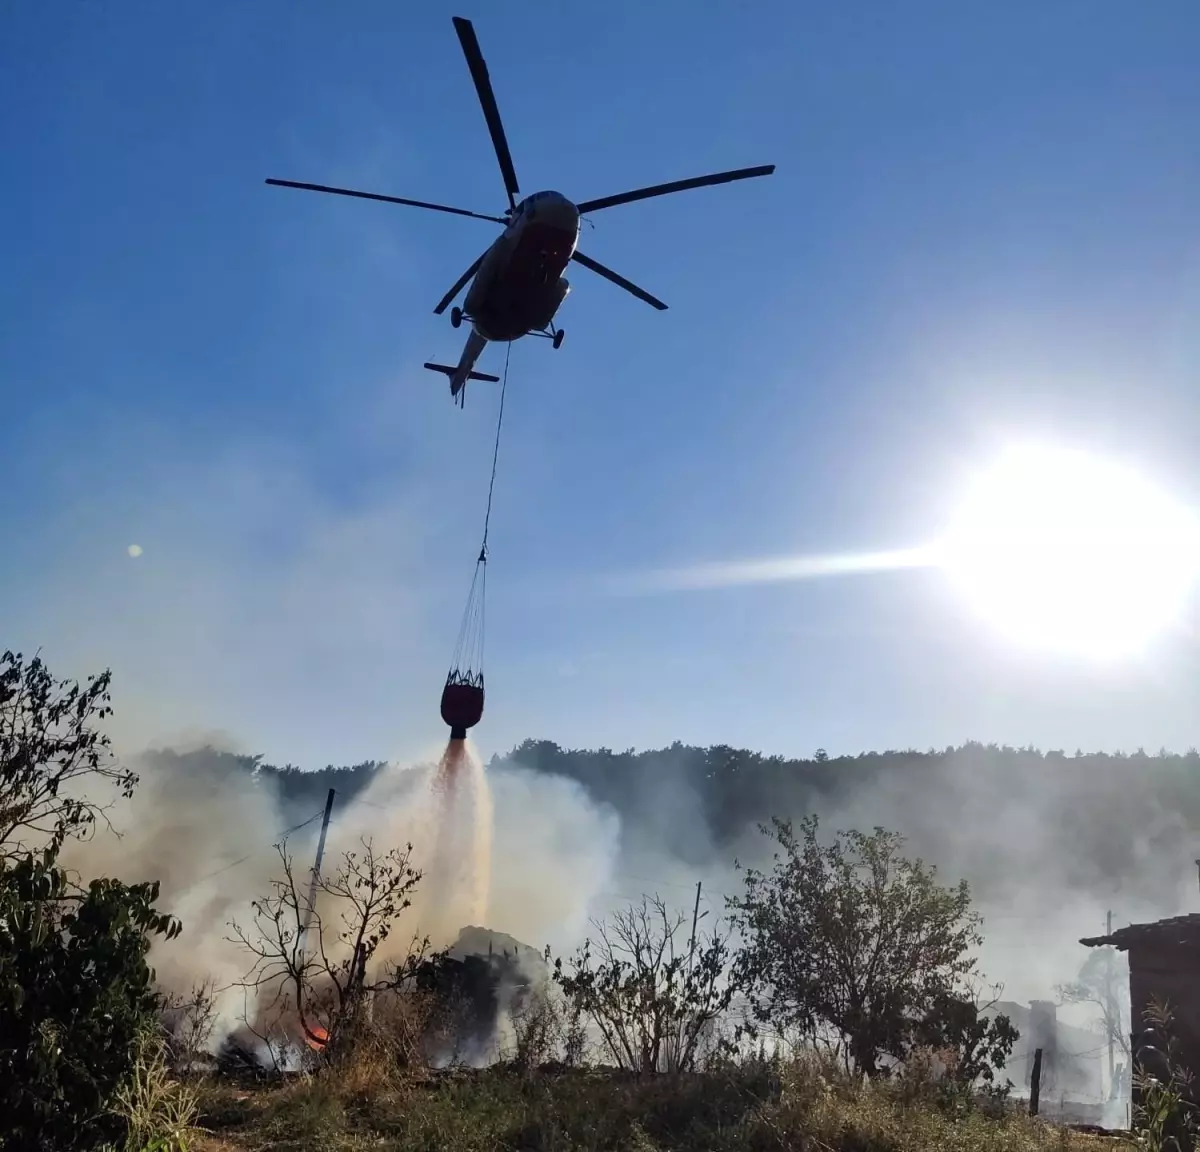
x,y
517,284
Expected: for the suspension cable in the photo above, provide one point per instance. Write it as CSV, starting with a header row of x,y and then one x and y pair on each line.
x,y
469,648
495,456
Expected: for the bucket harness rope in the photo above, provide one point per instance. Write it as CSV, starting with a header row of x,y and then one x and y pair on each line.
x,y
473,618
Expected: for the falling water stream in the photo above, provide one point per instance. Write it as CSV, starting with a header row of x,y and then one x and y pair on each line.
x,y
460,868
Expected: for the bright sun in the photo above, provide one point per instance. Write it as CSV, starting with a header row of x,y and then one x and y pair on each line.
x,y
1061,550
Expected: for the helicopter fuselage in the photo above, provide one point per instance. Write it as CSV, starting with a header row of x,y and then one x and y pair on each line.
x,y
520,284
517,285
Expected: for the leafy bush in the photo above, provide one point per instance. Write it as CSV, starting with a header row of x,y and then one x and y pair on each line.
x,y
75,992
852,944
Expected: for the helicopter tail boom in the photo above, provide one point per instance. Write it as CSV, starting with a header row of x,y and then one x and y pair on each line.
x,y
446,370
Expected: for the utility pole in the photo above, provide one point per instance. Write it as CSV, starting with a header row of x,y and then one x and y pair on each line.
x,y
675,1057
695,917
316,872
1109,1011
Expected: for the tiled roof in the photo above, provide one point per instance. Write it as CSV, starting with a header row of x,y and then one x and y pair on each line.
x,y
1176,930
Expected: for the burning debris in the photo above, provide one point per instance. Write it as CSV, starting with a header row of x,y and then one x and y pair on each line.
x,y
466,993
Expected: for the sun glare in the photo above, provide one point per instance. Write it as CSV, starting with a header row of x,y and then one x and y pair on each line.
x,y
1059,549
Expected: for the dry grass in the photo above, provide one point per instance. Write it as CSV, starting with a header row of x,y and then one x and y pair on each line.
x,y
747,1109
159,1111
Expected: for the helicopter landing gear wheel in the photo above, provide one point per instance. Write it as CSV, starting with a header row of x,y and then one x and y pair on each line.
x,y
558,337
456,317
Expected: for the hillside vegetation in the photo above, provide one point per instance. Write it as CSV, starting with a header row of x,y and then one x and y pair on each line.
x,y
836,1005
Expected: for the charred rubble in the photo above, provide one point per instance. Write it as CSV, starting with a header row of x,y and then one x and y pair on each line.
x,y
482,977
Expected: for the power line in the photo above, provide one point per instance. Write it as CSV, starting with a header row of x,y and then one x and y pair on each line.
x,y
257,851
668,883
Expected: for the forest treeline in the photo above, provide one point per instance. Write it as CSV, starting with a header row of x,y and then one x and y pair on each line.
x,y
739,786
1113,826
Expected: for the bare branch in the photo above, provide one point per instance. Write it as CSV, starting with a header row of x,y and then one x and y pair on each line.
x,y
57,773
633,982
321,980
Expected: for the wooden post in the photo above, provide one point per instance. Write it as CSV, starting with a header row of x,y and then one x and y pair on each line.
x,y
1035,1083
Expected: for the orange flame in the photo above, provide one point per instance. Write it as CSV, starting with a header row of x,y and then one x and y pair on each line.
x,y
316,1037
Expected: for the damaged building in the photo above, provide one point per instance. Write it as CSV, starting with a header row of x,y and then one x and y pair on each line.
x,y
1164,961
1073,1060
1071,1064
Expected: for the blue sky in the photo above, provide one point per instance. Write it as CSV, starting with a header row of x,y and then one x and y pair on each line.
x,y
983,224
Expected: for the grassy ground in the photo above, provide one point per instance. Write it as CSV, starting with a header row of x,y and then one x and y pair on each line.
x,y
742,1110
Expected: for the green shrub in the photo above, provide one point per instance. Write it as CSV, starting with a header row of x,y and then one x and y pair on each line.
x,y
75,994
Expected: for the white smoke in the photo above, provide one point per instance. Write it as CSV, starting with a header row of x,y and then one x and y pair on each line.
x,y
554,852
204,828
1048,843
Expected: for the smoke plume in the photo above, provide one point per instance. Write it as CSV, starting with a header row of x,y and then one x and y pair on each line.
x,y
1049,842
204,825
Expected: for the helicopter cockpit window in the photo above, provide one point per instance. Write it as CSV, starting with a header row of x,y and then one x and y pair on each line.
x,y
529,206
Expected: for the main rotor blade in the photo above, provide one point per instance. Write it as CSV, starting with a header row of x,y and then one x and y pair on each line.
x,y
609,274
676,186
386,199
491,113
448,299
